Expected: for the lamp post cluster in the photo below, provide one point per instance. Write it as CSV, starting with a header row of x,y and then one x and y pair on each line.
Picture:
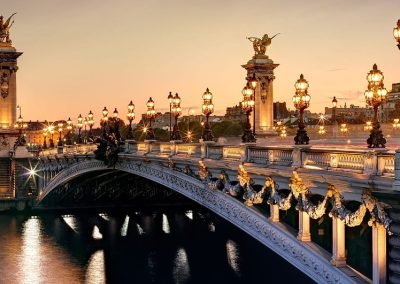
x,y
375,96
20,125
207,109
301,101
151,114
396,123
176,112
130,116
248,106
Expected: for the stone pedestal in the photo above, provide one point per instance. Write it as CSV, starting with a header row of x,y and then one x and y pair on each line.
x,y
263,68
379,254
204,147
338,245
8,69
304,234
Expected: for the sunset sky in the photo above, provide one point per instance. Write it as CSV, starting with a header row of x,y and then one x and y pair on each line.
x,y
82,55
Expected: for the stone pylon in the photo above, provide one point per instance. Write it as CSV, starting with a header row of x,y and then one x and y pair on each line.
x,y
8,84
263,68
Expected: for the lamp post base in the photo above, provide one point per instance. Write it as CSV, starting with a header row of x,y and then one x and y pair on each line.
x,y
248,136
376,138
301,137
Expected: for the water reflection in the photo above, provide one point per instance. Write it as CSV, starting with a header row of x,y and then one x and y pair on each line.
x,y
156,247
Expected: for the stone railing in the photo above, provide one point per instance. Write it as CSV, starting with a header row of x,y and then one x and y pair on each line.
x,y
231,153
82,149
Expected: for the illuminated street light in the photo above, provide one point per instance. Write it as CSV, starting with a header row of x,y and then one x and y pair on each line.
x,y
130,116
375,96
51,131
368,126
90,122
116,125
343,128
45,130
104,120
396,33
301,101
151,114
69,128
207,109
396,123
170,99
60,129
79,125
248,104
253,85
321,130
176,112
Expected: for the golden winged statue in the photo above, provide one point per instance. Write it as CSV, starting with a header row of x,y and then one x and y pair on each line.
x,y
5,29
260,44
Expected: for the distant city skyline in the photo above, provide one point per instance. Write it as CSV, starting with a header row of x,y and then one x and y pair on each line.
x,y
84,55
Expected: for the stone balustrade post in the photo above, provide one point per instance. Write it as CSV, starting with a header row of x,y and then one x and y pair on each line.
x,y
148,146
274,213
370,162
173,147
304,234
298,156
338,242
204,148
334,160
379,254
244,149
396,183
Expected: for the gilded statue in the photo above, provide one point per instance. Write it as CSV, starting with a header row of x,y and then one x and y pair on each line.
x,y
260,44
5,29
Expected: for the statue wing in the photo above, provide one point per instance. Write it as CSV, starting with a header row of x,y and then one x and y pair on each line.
x,y
275,35
5,25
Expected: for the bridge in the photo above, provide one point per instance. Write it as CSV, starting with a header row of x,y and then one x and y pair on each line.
x,y
310,205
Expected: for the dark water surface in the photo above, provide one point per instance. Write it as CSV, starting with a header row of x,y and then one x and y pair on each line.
x,y
144,246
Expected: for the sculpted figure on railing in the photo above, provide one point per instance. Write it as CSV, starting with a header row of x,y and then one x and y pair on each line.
x,y
253,197
204,174
275,198
243,182
222,183
376,209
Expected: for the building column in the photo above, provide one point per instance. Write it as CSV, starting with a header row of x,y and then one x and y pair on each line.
x,y
338,242
274,213
379,254
304,227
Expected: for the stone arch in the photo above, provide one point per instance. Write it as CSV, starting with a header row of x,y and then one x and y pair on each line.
x,y
272,235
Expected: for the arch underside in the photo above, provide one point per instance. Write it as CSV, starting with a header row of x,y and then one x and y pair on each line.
x,y
274,236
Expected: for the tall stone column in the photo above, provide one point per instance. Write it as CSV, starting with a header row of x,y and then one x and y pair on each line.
x,y
263,68
8,99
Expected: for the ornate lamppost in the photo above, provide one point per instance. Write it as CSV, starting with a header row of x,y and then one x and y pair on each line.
x,y
334,105
207,109
104,120
253,85
20,125
396,33
116,125
60,129
301,101
69,128
151,114
375,96
51,140
80,125
45,130
368,126
248,104
396,123
130,116
170,100
176,112
90,123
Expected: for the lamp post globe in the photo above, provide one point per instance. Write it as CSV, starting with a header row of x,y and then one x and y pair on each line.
x,y
80,125
375,96
170,99
207,109
60,130
90,122
69,128
301,101
151,114
130,116
45,131
248,104
104,120
176,112
116,125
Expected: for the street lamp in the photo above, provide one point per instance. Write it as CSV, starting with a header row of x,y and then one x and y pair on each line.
x,y
80,125
130,116
60,129
20,125
343,128
368,126
301,101
45,130
69,128
248,104
375,96
151,114
104,120
334,105
51,141
116,125
396,123
176,112
170,100
207,109
396,33
91,123
253,85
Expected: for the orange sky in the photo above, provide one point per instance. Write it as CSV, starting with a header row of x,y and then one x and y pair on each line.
x,y
87,54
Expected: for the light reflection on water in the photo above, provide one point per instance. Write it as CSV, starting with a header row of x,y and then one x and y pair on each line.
x,y
161,249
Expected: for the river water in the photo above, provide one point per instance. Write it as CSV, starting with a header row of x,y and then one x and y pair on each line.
x,y
128,246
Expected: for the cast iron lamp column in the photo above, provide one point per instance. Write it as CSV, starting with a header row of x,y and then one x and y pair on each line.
x,y
130,116
170,100
176,112
91,123
253,85
104,120
375,96
396,33
301,101
80,125
69,128
151,114
248,106
207,109
45,130
116,125
60,129
51,140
